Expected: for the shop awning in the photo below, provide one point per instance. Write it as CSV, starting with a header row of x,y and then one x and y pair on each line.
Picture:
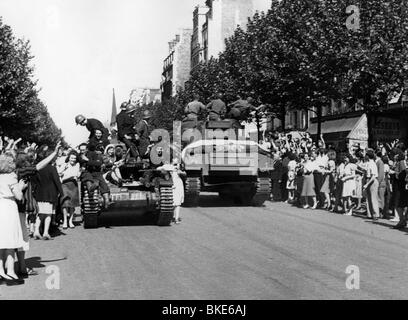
x,y
357,127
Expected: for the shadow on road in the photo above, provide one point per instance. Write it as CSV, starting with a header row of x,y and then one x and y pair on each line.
x,y
126,218
213,200
37,262
390,226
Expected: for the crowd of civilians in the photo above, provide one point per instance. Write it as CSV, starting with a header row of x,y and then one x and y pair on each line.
x,y
39,194
39,186
371,182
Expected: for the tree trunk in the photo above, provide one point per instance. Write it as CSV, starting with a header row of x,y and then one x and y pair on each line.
x,y
319,122
282,117
370,120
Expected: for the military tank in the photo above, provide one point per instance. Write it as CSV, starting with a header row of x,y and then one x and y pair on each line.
x,y
143,187
226,162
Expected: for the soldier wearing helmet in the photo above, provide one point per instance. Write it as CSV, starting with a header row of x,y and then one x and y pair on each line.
x,y
216,108
92,125
143,131
241,109
192,111
126,131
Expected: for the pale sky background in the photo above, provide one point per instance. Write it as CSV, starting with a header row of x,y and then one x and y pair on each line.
x,y
85,48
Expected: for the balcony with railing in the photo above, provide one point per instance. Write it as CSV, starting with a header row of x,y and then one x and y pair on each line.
x,y
168,62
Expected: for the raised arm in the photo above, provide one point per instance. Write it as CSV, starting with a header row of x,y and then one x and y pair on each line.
x,y
322,140
42,164
10,143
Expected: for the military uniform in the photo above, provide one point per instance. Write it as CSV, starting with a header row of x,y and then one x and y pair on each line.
x,y
94,124
126,125
192,111
142,130
216,109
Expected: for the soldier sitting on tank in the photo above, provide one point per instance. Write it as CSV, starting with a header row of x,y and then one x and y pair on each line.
x,y
216,108
245,107
126,131
192,111
92,176
234,112
143,133
92,125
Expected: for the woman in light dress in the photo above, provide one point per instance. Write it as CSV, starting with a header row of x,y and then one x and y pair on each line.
x,y
308,188
178,187
291,182
360,172
11,235
349,184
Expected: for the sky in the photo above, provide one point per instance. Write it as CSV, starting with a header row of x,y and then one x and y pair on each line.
x,y
84,48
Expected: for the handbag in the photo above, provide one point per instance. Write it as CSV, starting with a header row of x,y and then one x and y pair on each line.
x,y
31,205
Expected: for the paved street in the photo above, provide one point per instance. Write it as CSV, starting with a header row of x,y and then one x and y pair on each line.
x,y
223,252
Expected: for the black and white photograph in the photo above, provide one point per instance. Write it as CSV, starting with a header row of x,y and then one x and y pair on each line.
x,y
203,151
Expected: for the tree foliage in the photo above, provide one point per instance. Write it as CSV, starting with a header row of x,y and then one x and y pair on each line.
x,y
301,55
163,114
22,114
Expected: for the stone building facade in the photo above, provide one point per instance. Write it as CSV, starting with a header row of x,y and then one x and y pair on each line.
x,y
197,41
177,65
217,22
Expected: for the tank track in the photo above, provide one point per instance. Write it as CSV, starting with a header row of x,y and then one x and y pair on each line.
x,y
263,191
165,207
192,191
91,209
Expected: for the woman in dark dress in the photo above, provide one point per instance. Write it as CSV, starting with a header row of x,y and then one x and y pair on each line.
x,y
47,188
70,174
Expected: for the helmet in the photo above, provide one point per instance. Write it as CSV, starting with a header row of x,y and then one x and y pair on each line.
x,y
130,108
147,114
79,119
124,105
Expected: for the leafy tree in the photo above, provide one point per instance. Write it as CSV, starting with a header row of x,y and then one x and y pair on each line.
x,y
301,55
22,114
377,55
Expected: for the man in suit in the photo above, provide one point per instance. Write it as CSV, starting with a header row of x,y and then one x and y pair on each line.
x,y
381,182
126,133
143,132
92,125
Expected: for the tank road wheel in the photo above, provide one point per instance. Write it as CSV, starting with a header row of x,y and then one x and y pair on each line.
x,y
192,193
263,191
91,209
165,207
